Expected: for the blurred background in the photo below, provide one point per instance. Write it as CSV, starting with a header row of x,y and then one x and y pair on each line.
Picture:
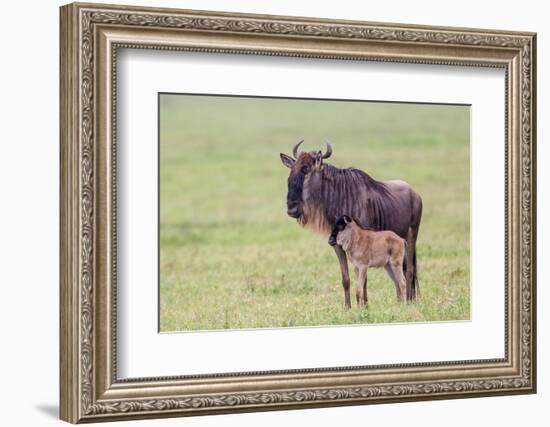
x,y
230,257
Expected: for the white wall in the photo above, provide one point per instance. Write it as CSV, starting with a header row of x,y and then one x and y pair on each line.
x,y
29,170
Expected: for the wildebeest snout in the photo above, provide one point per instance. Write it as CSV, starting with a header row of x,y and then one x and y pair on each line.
x,y
293,209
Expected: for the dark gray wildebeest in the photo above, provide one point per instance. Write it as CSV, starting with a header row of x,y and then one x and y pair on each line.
x,y
368,248
319,193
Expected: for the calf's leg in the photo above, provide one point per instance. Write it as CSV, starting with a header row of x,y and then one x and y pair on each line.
x,y
362,287
400,281
343,260
395,281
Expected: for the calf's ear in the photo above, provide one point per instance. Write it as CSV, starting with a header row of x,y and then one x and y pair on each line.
x,y
287,160
347,219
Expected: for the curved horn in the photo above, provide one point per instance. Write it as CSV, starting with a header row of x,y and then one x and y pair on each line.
x,y
328,153
295,149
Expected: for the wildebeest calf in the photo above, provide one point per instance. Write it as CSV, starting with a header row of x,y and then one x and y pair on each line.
x,y
368,248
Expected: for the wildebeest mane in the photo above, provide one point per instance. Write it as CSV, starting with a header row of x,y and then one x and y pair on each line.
x,y
353,192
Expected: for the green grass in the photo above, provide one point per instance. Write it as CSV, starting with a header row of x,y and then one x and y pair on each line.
x,y
230,257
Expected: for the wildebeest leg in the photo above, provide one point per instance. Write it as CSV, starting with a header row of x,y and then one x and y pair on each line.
x,y
365,295
409,253
361,287
398,291
414,280
345,273
410,261
412,270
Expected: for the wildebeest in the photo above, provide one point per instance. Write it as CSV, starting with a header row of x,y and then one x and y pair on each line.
x,y
319,193
368,248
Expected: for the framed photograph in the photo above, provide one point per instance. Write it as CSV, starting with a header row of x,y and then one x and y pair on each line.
x,y
267,212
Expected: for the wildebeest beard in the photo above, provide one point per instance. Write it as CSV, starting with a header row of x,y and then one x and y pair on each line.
x,y
295,189
349,192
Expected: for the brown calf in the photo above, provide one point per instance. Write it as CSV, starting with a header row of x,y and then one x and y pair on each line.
x,y
368,248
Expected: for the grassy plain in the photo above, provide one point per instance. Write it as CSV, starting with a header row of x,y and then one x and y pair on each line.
x,y
230,257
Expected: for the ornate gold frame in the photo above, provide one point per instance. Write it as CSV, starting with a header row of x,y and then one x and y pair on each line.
x,y
90,36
